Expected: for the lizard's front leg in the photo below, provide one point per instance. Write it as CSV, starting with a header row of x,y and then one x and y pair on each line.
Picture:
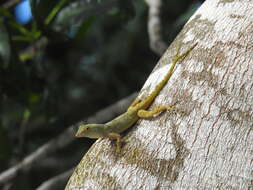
x,y
117,137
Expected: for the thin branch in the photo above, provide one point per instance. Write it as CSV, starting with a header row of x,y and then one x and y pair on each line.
x,y
55,181
31,51
63,139
53,163
10,4
154,27
7,186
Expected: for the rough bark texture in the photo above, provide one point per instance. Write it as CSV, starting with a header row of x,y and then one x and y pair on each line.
x,y
208,143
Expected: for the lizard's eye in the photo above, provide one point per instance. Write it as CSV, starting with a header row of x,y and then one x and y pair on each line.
x,y
87,128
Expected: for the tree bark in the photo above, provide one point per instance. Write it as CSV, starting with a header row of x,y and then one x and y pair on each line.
x,y
208,142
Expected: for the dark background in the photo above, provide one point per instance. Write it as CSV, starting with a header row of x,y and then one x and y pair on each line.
x,y
56,72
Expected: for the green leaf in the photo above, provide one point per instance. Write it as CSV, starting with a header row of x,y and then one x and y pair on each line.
x,y
84,28
5,50
22,38
5,12
34,98
26,115
19,27
55,11
79,11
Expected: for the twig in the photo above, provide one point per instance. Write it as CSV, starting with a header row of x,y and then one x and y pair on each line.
x,y
33,49
7,186
55,181
154,27
63,139
10,4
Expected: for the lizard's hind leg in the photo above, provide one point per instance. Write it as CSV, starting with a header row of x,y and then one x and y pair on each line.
x,y
151,113
135,103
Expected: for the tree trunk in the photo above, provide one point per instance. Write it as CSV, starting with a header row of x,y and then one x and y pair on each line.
x,y
208,142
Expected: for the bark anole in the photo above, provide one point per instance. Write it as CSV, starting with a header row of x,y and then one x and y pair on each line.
x,y
136,110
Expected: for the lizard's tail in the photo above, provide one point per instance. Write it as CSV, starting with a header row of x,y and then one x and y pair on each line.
x,y
146,102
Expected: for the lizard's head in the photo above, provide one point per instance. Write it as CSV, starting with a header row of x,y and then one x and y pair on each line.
x,y
93,131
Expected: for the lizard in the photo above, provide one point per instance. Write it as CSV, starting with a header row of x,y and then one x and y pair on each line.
x,y
135,111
